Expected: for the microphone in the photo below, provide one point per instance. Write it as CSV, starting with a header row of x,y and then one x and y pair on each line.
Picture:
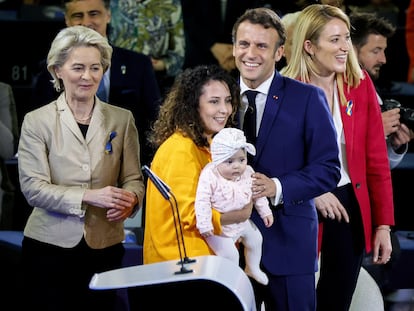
x,y
160,184
165,191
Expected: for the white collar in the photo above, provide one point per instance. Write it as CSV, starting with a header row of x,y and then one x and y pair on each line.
x,y
262,88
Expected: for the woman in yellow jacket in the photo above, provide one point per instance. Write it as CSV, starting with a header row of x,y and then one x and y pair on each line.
x,y
202,101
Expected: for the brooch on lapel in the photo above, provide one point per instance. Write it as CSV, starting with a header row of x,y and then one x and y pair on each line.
x,y
348,109
108,146
123,69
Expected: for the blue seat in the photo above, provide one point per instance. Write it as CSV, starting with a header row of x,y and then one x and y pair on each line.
x,y
11,239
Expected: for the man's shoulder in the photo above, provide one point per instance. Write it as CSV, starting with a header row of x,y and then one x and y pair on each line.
x,y
126,54
128,64
299,86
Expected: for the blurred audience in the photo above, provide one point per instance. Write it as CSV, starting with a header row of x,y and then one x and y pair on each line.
x,y
289,21
369,37
9,134
152,27
338,3
384,8
409,39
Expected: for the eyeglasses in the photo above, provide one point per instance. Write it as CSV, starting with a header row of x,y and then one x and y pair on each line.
x,y
108,146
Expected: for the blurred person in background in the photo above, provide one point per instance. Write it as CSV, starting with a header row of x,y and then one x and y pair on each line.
x,y
370,34
9,133
154,28
409,39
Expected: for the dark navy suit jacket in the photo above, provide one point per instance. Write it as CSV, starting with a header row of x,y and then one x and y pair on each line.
x,y
133,86
297,144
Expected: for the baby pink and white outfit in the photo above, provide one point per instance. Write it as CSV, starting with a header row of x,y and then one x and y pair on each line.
x,y
215,191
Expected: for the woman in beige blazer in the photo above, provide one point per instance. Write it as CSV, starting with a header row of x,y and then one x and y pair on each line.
x,y
79,168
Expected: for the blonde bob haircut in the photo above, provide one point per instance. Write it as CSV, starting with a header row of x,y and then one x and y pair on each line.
x,y
73,37
309,25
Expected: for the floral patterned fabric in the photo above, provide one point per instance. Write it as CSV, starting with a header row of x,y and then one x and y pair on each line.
x,y
152,27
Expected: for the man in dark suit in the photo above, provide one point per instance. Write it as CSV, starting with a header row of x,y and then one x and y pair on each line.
x,y
131,81
296,160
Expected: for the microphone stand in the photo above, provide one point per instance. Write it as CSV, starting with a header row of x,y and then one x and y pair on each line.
x,y
176,215
166,192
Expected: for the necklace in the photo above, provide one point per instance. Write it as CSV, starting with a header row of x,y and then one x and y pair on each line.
x,y
84,119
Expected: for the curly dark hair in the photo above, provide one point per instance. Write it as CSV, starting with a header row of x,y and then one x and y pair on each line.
x,y
180,110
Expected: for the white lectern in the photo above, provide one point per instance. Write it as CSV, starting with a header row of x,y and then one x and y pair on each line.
x,y
215,283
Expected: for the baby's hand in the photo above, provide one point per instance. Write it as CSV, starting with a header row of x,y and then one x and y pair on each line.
x,y
268,220
207,234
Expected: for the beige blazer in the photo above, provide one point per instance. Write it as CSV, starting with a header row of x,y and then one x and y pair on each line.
x,y
57,164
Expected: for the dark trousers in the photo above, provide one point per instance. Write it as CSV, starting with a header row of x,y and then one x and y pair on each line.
x,y
57,278
286,293
341,255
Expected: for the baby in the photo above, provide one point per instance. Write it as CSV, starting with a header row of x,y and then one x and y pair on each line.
x,y
225,185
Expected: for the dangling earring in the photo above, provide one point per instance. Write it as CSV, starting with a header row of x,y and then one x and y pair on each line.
x,y
59,87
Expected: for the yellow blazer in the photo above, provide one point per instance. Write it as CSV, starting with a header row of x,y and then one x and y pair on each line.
x,y
57,164
178,162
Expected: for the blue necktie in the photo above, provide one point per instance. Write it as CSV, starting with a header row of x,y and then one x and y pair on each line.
x,y
249,123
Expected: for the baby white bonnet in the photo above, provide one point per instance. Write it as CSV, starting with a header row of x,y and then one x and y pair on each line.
x,y
227,142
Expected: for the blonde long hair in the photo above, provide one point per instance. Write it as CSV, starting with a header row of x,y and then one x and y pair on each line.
x,y
310,23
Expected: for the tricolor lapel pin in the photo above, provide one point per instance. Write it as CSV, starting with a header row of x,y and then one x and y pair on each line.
x,y
349,108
